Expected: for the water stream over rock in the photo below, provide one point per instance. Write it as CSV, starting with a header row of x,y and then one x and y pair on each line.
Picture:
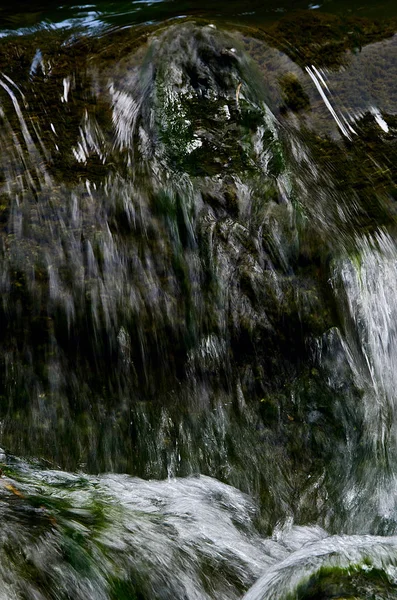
x,y
197,311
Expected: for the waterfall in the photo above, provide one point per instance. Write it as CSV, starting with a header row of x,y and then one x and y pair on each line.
x,y
197,309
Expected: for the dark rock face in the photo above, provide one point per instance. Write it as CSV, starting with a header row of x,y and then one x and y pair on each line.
x,y
167,254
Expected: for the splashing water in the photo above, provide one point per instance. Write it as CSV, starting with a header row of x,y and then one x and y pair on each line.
x,y
197,275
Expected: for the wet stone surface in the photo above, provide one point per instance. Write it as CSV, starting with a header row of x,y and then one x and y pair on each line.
x,y
197,265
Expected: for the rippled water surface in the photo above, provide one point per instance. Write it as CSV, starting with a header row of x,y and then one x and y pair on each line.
x,y
197,300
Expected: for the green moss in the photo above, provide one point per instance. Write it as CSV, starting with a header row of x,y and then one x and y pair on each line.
x,y
269,409
361,582
124,590
294,95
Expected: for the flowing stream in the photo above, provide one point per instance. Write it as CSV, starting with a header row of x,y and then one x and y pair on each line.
x,y
198,318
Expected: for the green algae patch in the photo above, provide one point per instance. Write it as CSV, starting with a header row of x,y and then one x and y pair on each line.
x,y
294,96
121,589
209,104
358,582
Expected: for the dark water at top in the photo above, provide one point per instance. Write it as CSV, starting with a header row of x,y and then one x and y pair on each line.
x,y
93,14
198,326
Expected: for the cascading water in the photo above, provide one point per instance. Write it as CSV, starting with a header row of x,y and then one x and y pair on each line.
x,y
197,275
